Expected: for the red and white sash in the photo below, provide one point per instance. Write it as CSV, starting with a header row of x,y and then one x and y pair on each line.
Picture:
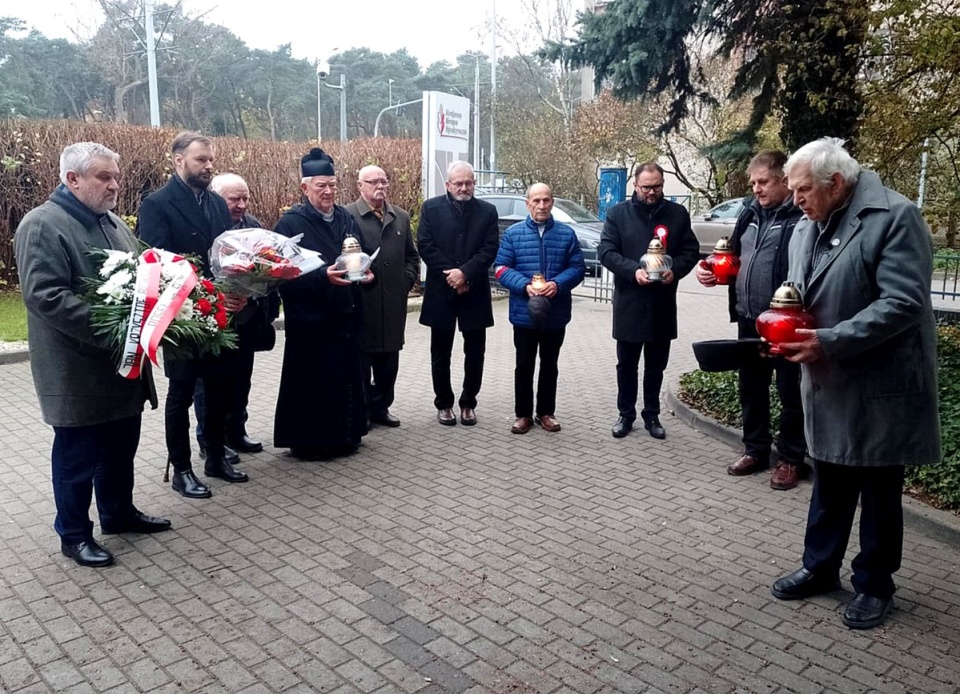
x,y
150,314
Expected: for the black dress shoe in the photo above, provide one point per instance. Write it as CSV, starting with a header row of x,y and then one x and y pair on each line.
x,y
622,428
866,611
139,522
87,553
244,445
385,418
224,471
229,454
803,584
187,484
655,428
468,417
446,417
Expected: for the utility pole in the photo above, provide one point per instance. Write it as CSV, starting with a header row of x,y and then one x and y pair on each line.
x,y
477,161
493,91
151,63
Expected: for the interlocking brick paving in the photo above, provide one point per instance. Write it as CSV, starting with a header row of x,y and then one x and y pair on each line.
x,y
456,559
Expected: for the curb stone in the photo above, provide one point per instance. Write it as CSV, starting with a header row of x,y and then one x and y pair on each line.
x,y
943,526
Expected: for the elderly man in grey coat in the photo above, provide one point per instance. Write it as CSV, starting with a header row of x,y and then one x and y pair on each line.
x,y
862,258
95,413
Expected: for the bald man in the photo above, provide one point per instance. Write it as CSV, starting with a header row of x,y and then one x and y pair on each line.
x,y
385,227
540,263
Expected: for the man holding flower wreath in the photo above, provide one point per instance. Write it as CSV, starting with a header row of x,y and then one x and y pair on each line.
x,y
94,411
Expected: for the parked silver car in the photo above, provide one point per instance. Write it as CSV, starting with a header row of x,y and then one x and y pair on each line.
x,y
719,221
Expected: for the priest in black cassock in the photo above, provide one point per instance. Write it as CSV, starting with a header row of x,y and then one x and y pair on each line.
x,y
320,409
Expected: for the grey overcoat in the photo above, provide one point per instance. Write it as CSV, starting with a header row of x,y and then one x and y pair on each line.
x,y
872,399
74,371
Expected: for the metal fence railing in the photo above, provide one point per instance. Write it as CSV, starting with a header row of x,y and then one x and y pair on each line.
x,y
946,276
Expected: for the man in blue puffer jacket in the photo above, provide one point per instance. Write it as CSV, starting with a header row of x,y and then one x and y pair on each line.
x,y
539,306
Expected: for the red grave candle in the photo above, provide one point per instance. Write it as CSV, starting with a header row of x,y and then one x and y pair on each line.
x,y
778,324
722,262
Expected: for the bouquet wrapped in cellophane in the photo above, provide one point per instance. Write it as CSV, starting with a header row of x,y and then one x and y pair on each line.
x,y
140,303
254,262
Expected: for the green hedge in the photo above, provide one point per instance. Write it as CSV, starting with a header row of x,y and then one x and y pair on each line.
x,y
716,395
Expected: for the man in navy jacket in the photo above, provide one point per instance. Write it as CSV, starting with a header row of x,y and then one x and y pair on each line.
x,y
539,310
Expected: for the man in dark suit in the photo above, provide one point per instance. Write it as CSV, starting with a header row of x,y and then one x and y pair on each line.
x,y
457,239
255,333
185,217
644,311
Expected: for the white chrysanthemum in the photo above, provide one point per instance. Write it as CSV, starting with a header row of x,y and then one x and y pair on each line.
x,y
114,259
117,287
186,311
168,271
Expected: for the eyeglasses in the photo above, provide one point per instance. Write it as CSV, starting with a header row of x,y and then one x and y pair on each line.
x,y
651,189
463,184
377,182
324,186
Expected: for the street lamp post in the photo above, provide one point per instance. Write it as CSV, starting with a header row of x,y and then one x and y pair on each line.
x,y
390,92
343,104
319,133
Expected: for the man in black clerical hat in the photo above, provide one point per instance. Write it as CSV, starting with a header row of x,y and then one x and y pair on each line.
x,y
320,408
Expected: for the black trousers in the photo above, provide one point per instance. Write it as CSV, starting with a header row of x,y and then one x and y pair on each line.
x,y
238,398
528,341
380,371
87,458
216,374
441,349
755,403
628,363
836,490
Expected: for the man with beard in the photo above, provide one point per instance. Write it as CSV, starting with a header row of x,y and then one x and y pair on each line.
x,y
320,408
644,311
458,239
185,217
387,228
94,411
760,239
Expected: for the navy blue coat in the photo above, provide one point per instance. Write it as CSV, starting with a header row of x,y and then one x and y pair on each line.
x,y
556,255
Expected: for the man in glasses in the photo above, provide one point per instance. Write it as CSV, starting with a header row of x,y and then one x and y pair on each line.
x,y
645,311
386,227
458,239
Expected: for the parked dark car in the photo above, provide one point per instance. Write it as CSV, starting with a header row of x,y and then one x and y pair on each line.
x,y
586,225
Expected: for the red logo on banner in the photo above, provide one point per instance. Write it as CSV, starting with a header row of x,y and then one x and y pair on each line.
x,y
441,120
661,232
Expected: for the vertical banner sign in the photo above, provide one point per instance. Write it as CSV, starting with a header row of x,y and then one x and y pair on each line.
x,y
446,138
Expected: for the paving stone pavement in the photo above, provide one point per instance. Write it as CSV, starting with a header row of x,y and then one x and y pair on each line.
x,y
458,559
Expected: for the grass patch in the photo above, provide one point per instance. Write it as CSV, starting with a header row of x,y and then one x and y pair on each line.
x,y
717,396
13,317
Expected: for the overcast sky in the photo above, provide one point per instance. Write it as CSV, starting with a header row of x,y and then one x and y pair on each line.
x,y
430,30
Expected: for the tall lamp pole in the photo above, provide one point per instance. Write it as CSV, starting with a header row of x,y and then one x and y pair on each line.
x,y
151,64
319,132
390,92
493,91
343,104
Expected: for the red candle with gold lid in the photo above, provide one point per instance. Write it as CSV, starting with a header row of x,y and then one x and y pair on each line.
x,y
722,262
778,324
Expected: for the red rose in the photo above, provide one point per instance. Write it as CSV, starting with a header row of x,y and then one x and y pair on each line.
x,y
208,286
205,307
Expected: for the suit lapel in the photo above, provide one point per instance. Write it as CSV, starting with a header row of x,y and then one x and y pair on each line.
x,y
186,203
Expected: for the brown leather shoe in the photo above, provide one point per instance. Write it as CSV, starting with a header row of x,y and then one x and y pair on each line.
x,y
446,417
747,465
785,476
548,422
522,425
467,416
